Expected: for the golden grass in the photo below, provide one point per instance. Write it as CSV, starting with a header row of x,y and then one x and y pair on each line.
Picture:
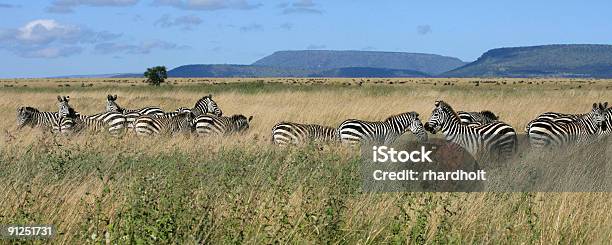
x,y
367,217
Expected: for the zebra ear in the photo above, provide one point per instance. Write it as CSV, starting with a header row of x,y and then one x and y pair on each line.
x,y
109,97
66,98
210,96
437,104
250,118
605,105
115,97
59,98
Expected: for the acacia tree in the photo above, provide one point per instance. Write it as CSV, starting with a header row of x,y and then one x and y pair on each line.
x,y
156,75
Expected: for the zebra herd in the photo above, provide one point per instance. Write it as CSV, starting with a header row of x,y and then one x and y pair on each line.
x,y
205,118
480,133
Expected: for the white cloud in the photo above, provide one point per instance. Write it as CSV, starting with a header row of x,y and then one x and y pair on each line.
x,y
47,38
66,6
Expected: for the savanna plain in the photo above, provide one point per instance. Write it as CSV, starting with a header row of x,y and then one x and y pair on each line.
x,y
184,189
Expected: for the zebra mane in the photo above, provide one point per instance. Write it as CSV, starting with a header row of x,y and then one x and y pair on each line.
x,y
237,117
446,107
489,114
412,113
29,109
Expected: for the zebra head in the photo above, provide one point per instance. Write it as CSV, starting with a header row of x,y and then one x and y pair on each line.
x,y
206,105
25,116
408,121
111,104
440,116
240,122
64,107
599,114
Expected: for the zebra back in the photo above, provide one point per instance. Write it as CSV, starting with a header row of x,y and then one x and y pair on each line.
x,y
208,124
284,133
148,124
354,131
477,118
553,116
112,106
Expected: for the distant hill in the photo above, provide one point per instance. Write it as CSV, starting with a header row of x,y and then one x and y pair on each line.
x,y
265,71
329,59
571,60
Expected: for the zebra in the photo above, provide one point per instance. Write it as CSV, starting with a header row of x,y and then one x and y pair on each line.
x,y
285,133
206,125
66,117
171,124
63,106
113,122
30,116
130,114
553,116
581,130
477,118
353,131
206,105
480,141
174,113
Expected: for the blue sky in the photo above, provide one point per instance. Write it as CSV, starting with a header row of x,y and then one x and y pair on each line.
x,y
59,37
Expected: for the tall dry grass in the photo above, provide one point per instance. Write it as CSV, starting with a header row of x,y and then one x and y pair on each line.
x,y
185,189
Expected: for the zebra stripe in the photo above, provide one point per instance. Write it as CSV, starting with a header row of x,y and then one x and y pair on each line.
x,y
30,116
553,116
496,138
206,125
285,133
581,130
149,125
386,132
206,105
130,114
113,122
477,118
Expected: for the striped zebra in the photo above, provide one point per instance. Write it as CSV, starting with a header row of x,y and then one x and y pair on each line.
x,y
285,133
66,117
553,116
30,116
149,124
206,105
113,122
130,114
477,118
354,131
206,125
489,141
582,130
179,110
